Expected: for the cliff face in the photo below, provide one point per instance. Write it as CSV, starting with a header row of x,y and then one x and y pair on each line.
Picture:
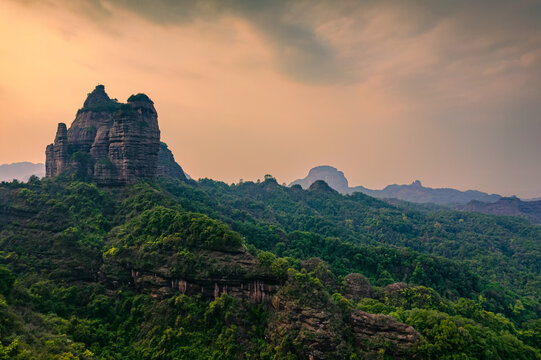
x,y
57,152
305,314
167,164
110,142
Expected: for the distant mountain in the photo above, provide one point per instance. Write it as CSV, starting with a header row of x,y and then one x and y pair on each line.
x,y
509,206
417,193
21,171
414,192
331,175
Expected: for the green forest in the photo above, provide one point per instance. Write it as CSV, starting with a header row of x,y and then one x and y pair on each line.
x,y
91,272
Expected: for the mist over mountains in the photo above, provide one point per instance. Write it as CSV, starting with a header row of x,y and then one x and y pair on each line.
x,y
21,171
470,200
507,206
414,192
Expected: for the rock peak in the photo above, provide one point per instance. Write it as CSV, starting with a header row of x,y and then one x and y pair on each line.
x,y
112,143
61,134
331,175
96,97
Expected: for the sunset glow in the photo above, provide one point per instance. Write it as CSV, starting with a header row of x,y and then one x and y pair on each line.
x,y
386,92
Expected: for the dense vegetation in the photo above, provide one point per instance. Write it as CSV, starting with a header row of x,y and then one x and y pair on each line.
x,y
473,281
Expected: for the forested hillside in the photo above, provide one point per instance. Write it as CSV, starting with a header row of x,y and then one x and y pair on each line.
x,y
171,269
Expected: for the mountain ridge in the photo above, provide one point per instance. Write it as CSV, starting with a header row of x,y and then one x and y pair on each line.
x,y
21,171
507,206
414,192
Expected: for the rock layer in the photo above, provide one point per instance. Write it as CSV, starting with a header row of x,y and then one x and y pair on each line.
x,y
57,152
159,287
110,142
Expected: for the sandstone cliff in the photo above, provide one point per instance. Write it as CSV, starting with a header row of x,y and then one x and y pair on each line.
x,y
167,164
309,323
112,143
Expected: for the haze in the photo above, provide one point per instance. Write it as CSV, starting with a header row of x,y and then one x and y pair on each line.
x,y
386,91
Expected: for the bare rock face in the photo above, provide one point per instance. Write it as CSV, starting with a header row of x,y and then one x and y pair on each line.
x,y
96,113
317,326
167,164
310,322
399,340
57,153
134,142
236,273
109,142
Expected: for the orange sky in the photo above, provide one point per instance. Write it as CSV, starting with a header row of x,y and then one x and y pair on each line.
x,y
385,92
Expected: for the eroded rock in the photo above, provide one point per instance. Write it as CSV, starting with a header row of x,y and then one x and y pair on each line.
x,y
112,143
382,331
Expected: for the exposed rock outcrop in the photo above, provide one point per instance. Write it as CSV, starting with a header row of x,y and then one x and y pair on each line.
x,y
159,287
57,152
167,164
110,142
235,272
370,330
315,329
310,324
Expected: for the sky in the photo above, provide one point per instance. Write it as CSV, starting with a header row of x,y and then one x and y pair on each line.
x,y
447,92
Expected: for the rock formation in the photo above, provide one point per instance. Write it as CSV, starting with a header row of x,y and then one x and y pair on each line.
x,y
239,275
111,143
368,329
331,175
318,327
57,153
167,164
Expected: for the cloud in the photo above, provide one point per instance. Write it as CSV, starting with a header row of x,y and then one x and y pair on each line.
x,y
346,41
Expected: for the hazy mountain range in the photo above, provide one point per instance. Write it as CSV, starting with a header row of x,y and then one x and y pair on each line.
x,y
21,171
508,206
414,192
470,200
